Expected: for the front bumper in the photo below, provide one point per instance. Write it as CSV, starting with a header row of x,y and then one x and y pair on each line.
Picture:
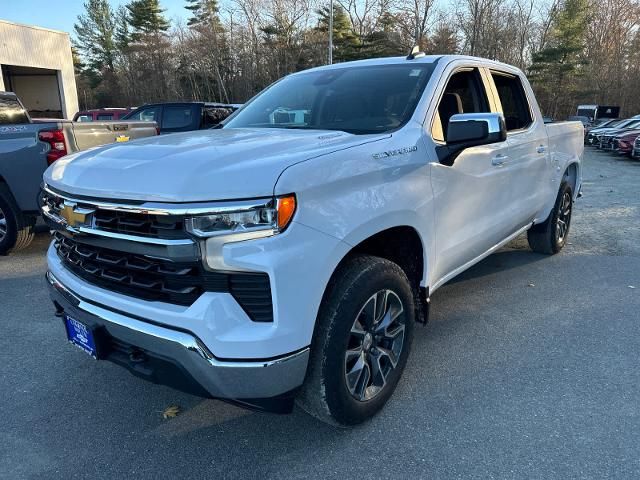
x,y
154,350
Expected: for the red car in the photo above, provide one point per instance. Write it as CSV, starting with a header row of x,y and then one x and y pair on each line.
x,y
623,143
98,114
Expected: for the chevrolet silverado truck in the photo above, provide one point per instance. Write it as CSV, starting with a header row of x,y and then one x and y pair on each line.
x,y
28,147
288,255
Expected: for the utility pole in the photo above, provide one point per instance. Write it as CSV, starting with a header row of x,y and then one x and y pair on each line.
x,y
331,32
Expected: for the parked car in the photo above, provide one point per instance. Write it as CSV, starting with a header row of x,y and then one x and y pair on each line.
x,y
183,116
605,137
28,147
635,153
99,114
599,124
593,137
289,253
623,143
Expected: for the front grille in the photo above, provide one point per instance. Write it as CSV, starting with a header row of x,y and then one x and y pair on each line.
x,y
615,144
155,279
167,227
156,226
637,142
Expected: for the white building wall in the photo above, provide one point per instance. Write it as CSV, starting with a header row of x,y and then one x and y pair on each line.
x,y
29,46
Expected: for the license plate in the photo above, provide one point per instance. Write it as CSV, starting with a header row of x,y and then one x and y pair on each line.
x,y
81,336
122,138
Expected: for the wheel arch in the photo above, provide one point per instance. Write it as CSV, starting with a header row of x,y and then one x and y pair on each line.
x,y
571,176
403,245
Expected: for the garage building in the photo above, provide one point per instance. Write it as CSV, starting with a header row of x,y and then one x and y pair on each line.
x,y
37,65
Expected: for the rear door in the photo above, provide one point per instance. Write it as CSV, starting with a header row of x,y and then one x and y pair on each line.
x,y
529,163
470,195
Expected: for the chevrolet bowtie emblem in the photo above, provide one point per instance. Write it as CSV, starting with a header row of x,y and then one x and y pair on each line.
x,y
75,216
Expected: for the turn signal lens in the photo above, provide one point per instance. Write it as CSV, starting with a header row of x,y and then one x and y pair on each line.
x,y
286,208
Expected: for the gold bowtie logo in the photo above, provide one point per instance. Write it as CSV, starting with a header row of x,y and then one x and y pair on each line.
x,y
75,216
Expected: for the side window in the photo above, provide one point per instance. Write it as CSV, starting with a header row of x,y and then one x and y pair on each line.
x,y
464,93
515,106
177,117
147,114
11,111
214,115
105,117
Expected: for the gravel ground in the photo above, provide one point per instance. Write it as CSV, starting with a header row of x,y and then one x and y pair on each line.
x,y
529,368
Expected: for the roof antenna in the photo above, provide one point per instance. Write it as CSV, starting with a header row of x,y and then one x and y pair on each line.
x,y
415,53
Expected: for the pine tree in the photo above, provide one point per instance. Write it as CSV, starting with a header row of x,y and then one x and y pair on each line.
x,y
146,17
345,42
385,41
203,12
443,40
95,35
557,66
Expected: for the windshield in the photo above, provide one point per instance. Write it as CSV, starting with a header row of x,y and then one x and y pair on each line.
x,y
359,100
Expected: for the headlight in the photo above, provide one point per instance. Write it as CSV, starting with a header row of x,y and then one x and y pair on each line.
x,y
269,216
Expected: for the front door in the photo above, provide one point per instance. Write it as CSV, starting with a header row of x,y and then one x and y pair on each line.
x,y
471,196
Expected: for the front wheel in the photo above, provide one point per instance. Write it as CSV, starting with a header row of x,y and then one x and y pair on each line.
x,y
551,236
361,342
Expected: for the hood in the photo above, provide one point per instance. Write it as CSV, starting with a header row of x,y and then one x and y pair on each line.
x,y
628,133
195,166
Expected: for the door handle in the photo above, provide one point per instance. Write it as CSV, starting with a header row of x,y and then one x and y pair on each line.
x,y
541,149
499,160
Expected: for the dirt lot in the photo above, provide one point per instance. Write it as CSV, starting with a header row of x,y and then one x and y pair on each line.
x,y
529,368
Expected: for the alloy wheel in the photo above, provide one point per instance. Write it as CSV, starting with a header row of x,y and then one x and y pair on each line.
x,y
375,345
564,218
3,225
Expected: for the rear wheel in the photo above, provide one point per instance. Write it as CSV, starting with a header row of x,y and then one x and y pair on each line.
x,y
361,343
551,236
16,229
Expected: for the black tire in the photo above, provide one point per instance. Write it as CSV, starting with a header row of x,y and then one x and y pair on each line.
x,y
16,229
550,236
326,394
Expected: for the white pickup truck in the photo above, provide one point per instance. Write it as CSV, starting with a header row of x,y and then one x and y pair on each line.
x,y
289,254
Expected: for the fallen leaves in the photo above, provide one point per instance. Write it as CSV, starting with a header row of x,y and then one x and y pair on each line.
x,y
171,412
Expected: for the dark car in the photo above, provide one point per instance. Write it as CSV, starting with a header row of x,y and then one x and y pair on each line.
x,y
624,142
183,116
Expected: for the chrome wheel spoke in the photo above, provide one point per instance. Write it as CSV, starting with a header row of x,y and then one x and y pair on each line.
x,y
358,378
380,300
358,329
3,225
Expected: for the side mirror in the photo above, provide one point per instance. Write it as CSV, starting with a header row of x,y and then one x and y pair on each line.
x,y
467,130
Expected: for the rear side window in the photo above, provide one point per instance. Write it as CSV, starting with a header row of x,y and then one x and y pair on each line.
x,y
11,111
515,106
147,114
177,117
214,115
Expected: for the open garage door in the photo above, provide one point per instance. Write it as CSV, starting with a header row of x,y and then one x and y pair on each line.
x,y
38,88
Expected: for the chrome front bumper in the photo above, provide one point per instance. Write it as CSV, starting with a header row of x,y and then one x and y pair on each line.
x,y
233,380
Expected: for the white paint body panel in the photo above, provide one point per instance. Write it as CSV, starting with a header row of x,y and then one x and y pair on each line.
x,y
345,194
